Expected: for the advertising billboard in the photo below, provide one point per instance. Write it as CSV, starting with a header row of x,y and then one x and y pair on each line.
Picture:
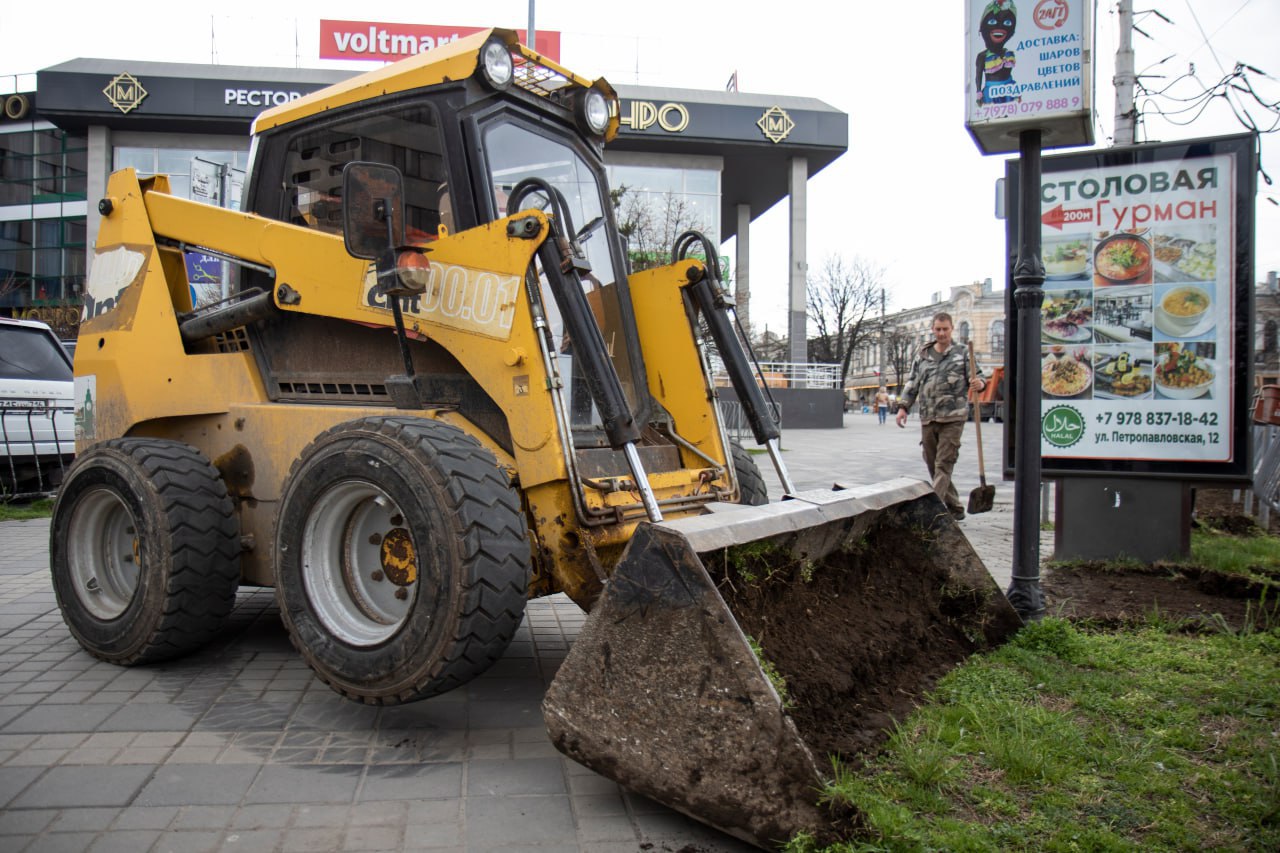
x,y
386,42
1145,345
1028,65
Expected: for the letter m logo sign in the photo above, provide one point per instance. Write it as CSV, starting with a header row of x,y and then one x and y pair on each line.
x,y
775,124
124,92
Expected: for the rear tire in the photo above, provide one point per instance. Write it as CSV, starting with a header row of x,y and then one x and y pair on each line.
x,y
144,550
752,490
403,559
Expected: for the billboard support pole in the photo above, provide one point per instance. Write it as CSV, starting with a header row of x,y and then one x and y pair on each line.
x,y
1024,591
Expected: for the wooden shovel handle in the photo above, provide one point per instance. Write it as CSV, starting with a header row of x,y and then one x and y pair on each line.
x,y
977,416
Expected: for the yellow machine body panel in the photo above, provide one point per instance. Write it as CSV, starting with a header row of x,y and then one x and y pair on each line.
x,y
133,360
670,352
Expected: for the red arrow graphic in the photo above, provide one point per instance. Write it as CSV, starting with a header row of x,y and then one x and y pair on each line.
x,y
1058,216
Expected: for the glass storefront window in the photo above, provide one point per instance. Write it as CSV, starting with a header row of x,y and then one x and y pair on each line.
x,y
40,166
705,181
141,159
181,163
42,261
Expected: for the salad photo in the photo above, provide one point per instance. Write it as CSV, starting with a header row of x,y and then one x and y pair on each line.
x,y
1067,317
1182,373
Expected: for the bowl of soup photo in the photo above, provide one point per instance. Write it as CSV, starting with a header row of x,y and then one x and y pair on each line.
x,y
1183,308
1123,259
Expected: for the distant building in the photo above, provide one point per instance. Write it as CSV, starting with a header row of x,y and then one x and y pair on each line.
x,y
979,314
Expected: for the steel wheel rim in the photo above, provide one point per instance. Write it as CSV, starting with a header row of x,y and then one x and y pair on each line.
x,y
103,553
343,570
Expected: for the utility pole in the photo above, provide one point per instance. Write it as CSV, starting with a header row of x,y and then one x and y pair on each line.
x,y
532,41
1125,79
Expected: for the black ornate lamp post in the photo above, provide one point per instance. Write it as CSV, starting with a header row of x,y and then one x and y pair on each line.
x,y
1028,274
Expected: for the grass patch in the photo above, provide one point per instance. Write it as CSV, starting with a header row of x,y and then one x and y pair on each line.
x,y
42,508
1254,557
771,672
1071,739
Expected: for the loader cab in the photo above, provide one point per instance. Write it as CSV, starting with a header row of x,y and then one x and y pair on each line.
x,y
462,145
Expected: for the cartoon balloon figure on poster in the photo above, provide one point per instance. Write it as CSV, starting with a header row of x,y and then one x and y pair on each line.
x,y
994,79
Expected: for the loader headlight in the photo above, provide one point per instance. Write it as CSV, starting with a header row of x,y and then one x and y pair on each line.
x,y
413,270
495,63
593,111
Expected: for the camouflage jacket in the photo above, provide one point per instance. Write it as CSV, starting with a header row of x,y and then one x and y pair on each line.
x,y
939,382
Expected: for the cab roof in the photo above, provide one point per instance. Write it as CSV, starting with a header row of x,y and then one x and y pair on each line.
x,y
454,61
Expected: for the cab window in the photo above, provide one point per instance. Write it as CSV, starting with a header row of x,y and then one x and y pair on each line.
x,y
409,138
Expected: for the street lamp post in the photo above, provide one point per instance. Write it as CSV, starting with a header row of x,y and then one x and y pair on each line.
x,y
1024,591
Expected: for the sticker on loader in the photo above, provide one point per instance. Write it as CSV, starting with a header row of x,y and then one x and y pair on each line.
x,y
477,301
112,272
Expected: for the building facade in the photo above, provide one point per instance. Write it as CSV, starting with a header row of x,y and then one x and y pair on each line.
x,y
727,156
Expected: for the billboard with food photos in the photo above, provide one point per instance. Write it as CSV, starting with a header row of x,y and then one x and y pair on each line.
x,y
1028,65
1145,342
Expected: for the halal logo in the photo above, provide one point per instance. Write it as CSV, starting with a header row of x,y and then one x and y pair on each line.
x,y
125,92
775,124
1062,426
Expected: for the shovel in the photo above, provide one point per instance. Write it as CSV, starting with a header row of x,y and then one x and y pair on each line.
x,y
982,498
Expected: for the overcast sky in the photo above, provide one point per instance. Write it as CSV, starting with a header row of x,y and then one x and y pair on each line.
x,y
912,195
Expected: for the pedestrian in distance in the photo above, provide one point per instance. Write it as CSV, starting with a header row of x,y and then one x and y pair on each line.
x,y
882,404
939,386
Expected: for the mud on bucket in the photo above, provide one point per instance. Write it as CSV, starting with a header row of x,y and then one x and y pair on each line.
x,y
858,601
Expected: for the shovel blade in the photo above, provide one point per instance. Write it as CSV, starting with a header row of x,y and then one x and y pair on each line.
x,y
982,499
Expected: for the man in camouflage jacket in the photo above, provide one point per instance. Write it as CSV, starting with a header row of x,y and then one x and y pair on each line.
x,y
939,383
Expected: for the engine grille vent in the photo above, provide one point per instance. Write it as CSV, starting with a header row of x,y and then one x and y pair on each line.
x,y
236,340
344,392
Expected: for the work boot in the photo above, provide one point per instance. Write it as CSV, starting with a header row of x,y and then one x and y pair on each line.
x,y
957,513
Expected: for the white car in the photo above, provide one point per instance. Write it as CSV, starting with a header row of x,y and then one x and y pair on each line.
x,y
37,418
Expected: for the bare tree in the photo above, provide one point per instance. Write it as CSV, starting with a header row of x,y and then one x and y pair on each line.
x,y
843,305
770,346
12,283
650,224
900,350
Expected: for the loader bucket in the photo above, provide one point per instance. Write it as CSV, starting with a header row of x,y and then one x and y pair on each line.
x,y
859,599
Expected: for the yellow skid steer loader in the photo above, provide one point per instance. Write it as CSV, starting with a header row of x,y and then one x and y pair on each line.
x,y
431,390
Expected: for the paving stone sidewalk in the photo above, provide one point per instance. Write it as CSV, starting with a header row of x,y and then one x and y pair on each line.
x,y
239,748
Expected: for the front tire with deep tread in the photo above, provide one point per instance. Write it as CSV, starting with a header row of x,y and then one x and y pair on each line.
x,y
752,490
403,558
144,550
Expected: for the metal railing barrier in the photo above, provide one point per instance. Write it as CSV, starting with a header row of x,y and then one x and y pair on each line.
x,y
37,443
